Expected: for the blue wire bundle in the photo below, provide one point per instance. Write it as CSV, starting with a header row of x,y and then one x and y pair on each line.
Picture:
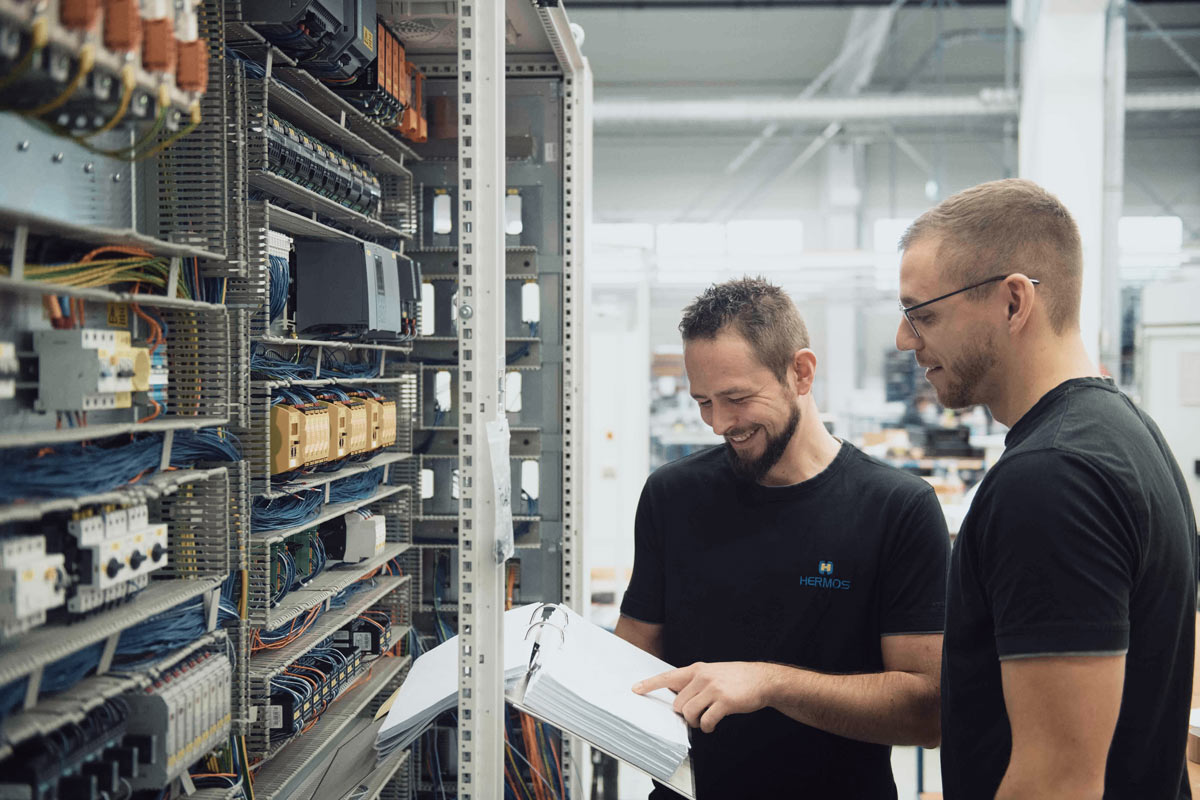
x,y
138,647
280,280
356,487
287,573
339,363
73,469
285,512
272,366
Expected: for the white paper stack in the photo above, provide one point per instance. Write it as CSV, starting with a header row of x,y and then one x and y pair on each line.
x,y
581,683
432,684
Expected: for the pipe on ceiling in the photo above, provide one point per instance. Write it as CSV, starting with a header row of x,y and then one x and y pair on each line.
x,y
995,102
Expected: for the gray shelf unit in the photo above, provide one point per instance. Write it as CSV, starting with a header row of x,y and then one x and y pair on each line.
x,y
196,348
536,256
266,666
198,557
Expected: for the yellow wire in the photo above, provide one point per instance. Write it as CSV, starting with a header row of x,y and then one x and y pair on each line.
x,y
86,60
163,145
128,82
39,35
244,594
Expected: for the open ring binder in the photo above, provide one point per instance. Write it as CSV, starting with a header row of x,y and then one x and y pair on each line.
x,y
583,687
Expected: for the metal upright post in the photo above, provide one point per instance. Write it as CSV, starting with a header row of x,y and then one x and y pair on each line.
x,y
481,267
1114,189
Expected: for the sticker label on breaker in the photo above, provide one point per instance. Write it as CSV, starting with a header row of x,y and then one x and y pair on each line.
x,y
274,717
363,641
118,315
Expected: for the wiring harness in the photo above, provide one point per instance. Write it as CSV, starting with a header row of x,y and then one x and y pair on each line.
x,y
82,468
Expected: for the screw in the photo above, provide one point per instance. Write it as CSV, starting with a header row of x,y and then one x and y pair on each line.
x,y
57,158
466,312
89,168
116,177
23,145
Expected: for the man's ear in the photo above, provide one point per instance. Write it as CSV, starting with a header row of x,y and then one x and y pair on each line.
x,y
804,368
1021,295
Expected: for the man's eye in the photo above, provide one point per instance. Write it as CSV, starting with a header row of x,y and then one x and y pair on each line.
x,y
737,400
703,403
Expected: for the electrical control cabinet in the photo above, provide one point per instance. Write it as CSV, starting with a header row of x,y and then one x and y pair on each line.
x,y
213,231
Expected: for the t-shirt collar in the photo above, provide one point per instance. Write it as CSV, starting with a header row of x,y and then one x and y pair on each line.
x,y
757,493
1031,417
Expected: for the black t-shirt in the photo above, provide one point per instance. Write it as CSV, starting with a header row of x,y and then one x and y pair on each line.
x,y
1081,540
810,575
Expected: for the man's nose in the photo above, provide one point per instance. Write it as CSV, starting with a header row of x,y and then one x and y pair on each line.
x,y
905,338
722,421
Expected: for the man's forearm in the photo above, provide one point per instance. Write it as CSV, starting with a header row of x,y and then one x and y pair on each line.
x,y
898,708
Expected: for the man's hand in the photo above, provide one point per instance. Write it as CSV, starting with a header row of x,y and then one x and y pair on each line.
x,y
707,693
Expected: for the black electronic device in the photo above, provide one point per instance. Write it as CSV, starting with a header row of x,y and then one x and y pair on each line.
x,y
333,39
350,288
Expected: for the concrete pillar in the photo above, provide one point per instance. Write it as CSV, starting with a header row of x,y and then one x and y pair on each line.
x,y
1062,129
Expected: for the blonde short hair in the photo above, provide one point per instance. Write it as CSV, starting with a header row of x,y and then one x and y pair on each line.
x,y
1007,226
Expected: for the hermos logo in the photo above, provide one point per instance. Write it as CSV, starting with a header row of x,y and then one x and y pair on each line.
x,y
824,578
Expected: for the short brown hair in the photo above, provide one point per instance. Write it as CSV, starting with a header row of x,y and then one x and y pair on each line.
x,y
1010,225
760,311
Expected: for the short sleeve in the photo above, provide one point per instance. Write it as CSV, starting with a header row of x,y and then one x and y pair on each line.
x,y
644,599
1057,558
914,572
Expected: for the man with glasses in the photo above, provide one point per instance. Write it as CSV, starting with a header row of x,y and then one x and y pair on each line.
x,y
1067,662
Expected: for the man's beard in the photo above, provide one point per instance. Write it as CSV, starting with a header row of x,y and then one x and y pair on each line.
x,y
755,469
967,373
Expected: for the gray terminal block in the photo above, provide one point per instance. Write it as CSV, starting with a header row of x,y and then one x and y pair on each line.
x,y
349,287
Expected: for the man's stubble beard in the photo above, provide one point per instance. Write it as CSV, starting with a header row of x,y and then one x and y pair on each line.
x,y
968,373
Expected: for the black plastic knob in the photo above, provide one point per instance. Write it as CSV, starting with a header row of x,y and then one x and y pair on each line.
x,y
136,559
158,552
113,568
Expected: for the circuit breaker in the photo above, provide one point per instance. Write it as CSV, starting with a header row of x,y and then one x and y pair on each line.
x,y
116,551
32,582
86,369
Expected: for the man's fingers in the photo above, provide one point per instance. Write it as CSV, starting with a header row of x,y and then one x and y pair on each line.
x,y
694,709
686,693
674,680
710,718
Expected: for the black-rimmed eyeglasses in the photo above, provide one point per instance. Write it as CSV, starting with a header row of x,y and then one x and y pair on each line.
x,y
907,310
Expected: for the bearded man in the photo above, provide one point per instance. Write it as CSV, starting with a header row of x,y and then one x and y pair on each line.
x,y
809,577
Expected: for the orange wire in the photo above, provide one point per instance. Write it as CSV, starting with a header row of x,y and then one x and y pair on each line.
x,y
562,792
52,309
140,475
153,414
129,251
533,753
